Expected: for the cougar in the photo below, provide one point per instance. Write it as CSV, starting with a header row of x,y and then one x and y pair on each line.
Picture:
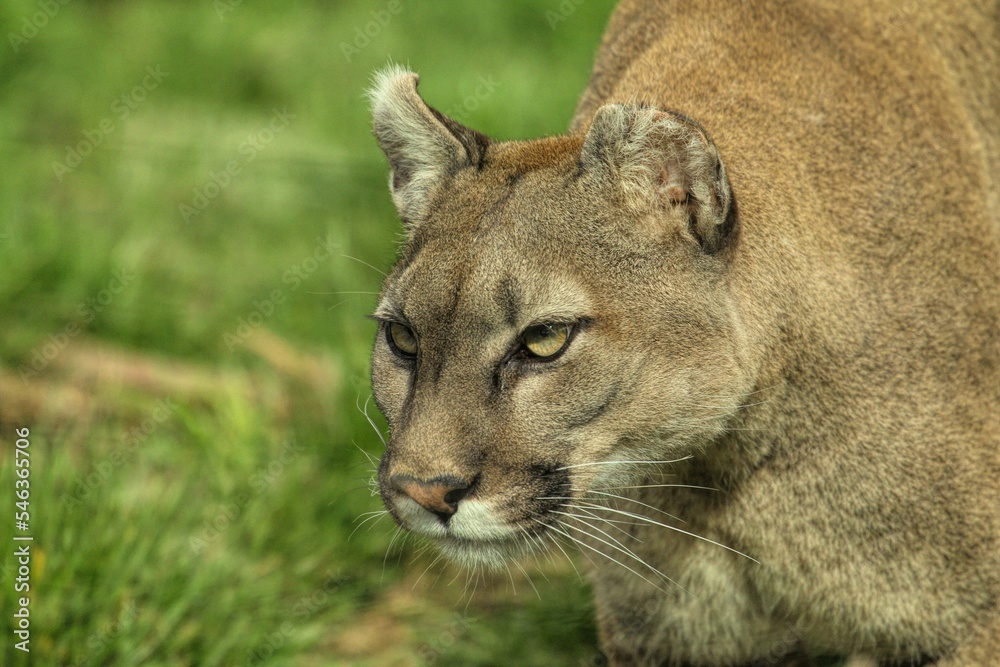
x,y
735,336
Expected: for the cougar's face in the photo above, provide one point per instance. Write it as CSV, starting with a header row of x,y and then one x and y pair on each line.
x,y
530,349
559,317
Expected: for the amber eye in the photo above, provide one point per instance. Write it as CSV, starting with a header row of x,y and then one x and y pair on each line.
x,y
546,340
401,339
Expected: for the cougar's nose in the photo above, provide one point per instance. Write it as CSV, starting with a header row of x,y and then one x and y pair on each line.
x,y
440,495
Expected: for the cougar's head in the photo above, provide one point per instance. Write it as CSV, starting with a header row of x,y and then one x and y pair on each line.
x,y
559,314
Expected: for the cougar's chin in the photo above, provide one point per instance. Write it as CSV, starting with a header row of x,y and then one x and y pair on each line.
x,y
491,554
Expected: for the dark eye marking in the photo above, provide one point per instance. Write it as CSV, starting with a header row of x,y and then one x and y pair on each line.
x,y
508,297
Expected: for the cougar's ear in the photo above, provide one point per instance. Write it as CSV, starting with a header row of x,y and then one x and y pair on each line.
x,y
423,146
666,161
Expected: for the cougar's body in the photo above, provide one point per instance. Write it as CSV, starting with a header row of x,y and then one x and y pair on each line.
x,y
769,246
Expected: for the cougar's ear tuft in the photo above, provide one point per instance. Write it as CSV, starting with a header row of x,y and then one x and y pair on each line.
x,y
423,146
663,160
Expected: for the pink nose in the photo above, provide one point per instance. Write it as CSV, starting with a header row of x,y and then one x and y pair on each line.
x,y
440,495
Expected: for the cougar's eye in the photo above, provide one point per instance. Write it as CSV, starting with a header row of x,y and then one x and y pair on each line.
x,y
545,341
401,339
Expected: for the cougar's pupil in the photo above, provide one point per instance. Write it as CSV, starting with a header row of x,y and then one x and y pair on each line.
x,y
546,340
402,339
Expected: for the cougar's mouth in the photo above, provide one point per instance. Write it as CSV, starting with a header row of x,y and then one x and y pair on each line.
x,y
478,535
481,525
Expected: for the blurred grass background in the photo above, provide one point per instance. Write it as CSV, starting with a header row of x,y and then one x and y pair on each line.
x,y
191,199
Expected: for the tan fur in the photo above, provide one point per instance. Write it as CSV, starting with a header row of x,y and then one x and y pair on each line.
x,y
795,297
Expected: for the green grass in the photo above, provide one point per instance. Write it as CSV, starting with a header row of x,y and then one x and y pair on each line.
x,y
196,463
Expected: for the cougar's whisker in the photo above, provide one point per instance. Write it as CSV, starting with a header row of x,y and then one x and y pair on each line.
x,y
469,572
630,500
620,547
728,406
616,462
611,522
432,564
654,486
559,546
371,459
388,549
583,544
420,551
371,421
584,521
438,578
674,528
581,507
475,586
361,261
550,555
510,574
378,515
537,550
530,582
536,546
455,578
